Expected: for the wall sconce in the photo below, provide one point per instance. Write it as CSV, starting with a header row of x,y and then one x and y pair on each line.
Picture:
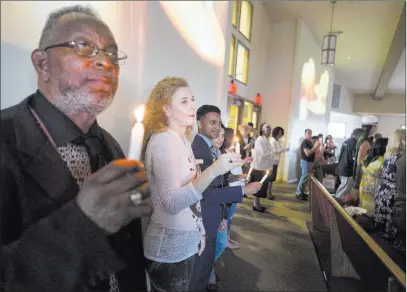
x,y
258,99
232,87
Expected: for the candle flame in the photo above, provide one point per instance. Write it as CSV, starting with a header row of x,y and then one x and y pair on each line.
x,y
139,113
236,139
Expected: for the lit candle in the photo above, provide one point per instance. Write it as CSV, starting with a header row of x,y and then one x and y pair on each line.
x,y
264,177
250,172
237,145
137,134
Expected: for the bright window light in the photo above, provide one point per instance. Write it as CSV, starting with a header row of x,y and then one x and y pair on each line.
x,y
245,22
337,130
242,63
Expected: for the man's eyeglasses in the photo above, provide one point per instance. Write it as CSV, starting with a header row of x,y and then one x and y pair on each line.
x,y
87,50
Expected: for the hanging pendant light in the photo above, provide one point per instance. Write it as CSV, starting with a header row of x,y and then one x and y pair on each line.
x,y
329,43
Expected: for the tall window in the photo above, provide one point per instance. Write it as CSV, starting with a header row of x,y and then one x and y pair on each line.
x,y
245,22
240,43
232,56
235,13
242,63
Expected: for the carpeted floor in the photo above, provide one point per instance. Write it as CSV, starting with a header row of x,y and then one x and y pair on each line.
x,y
276,253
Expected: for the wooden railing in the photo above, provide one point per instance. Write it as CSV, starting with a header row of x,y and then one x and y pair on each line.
x,y
329,215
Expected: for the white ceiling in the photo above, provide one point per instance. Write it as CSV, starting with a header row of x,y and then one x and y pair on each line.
x,y
397,83
368,28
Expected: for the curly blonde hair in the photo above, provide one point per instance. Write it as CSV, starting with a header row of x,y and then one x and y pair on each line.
x,y
397,138
155,119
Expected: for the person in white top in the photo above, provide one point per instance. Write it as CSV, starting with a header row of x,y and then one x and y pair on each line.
x,y
276,150
262,162
175,232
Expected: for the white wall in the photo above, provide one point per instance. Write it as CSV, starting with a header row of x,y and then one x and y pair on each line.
x,y
155,48
346,101
306,47
387,124
277,96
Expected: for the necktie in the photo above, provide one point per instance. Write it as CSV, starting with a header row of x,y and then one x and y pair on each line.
x,y
94,147
213,151
95,150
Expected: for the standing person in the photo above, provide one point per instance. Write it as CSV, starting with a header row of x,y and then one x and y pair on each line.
x,y
386,193
209,125
245,141
329,149
229,147
344,169
319,160
221,237
377,136
372,175
399,210
175,233
253,133
262,162
67,218
307,151
276,149
364,144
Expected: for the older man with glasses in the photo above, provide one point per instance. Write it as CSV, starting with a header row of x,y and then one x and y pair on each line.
x,y
69,209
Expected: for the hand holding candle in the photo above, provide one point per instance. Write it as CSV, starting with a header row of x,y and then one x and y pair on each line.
x,y
137,134
265,176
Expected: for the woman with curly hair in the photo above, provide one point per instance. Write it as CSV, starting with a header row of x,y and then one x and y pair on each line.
x,y
175,233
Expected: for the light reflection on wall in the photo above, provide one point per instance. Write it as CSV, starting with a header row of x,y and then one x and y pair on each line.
x,y
318,104
198,25
307,87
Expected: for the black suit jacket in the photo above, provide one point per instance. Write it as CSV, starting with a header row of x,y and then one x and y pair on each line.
x,y
213,197
347,157
214,194
47,243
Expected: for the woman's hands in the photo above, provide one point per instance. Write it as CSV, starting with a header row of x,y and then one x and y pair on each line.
x,y
227,162
202,244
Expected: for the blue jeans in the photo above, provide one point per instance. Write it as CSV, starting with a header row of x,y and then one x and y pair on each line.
x,y
305,168
221,243
231,211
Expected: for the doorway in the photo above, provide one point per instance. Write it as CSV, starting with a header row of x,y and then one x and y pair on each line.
x,y
242,111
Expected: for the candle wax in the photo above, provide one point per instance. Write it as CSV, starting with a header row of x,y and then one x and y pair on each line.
x,y
136,141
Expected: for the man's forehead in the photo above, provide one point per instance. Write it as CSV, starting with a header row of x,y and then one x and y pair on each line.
x,y
74,25
212,116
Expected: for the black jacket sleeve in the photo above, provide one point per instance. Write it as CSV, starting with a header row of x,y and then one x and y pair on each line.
x,y
61,252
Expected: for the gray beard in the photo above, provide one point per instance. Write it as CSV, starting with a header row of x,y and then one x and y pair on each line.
x,y
81,101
